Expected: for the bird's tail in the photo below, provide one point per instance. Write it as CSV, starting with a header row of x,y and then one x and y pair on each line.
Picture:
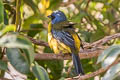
x,y
77,64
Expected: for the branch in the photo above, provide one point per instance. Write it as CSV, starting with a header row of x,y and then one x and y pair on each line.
x,y
103,41
38,42
51,56
82,55
101,70
86,45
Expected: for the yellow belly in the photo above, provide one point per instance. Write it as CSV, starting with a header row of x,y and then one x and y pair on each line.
x,y
57,46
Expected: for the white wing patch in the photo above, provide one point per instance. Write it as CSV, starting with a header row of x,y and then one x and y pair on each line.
x,y
58,14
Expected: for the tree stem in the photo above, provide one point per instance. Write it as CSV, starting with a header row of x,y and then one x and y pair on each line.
x,y
18,15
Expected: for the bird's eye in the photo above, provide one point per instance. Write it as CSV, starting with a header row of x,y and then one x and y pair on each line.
x,y
52,17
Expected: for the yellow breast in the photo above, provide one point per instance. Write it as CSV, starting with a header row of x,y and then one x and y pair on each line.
x,y
57,46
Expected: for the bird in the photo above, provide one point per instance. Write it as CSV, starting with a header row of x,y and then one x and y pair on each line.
x,y
62,38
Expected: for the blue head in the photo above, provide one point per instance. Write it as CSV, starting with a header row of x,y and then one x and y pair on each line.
x,y
57,16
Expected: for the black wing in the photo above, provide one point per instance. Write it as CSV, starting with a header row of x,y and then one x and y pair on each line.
x,y
64,37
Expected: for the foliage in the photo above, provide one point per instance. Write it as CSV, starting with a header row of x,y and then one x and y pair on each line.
x,y
95,19
107,58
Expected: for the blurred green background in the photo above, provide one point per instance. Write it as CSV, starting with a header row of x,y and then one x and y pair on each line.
x,y
95,19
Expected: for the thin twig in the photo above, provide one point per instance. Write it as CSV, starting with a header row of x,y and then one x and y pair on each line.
x,y
38,42
103,41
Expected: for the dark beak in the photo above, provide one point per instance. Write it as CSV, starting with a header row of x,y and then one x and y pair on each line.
x,y
49,16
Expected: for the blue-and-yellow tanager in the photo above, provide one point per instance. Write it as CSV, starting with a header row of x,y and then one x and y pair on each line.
x,y
63,39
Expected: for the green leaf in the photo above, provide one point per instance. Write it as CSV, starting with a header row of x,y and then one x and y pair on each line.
x,y
109,55
7,28
40,72
18,60
3,65
34,29
1,14
29,54
113,54
31,20
42,35
29,51
112,72
14,40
